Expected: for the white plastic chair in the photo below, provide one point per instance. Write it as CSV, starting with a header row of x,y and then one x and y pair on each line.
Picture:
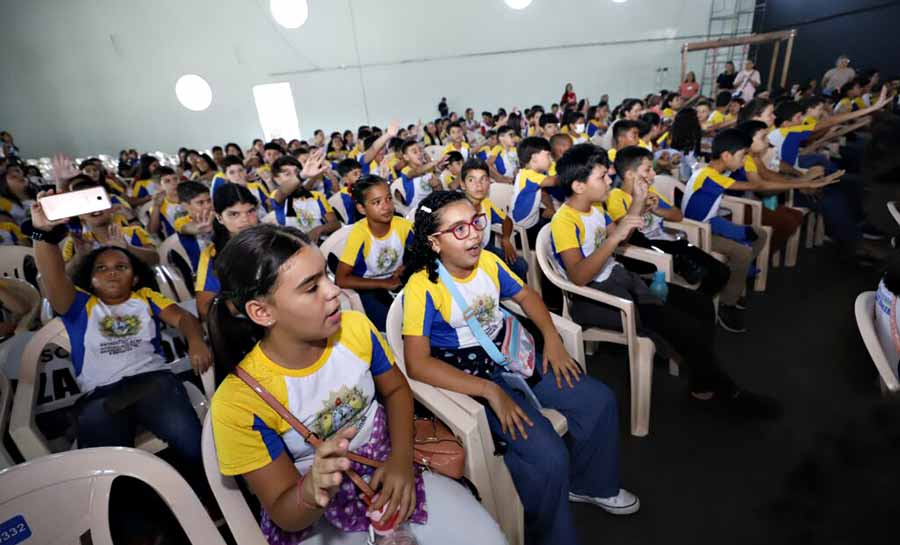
x,y
65,498
469,423
28,293
12,261
25,433
334,244
337,203
6,395
641,350
269,219
501,196
228,495
172,245
895,213
865,321
172,284
143,214
434,152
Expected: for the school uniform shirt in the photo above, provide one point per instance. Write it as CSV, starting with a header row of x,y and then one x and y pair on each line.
x,y
430,311
392,171
335,392
810,121
133,234
368,168
374,257
611,154
111,342
644,144
206,276
11,234
463,149
415,189
19,212
715,118
593,127
349,206
668,113
526,197
788,140
144,188
506,161
494,215
888,336
483,153
447,179
169,214
304,213
749,166
192,244
586,231
703,194
618,203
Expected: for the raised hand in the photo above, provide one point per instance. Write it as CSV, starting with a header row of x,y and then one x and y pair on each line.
x,y
116,237
315,164
63,170
393,128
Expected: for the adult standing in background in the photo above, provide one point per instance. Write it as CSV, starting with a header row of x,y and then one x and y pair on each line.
x,y
747,81
689,87
838,76
568,99
8,148
442,107
725,81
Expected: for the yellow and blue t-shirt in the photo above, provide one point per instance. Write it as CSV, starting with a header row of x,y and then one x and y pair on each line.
x,y
335,392
206,276
430,311
526,197
133,234
506,161
192,244
18,211
787,142
368,168
448,180
570,229
111,342
11,234
703,194
618,203
305,213
494,215
169,214
374,257
415,189
257,189
144,188
463,149
593,127
349,206
715,118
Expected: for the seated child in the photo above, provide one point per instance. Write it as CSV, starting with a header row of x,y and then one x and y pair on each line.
x,y
450,175
741,244
625,133
372,153
280,321
597,119
195,229
549,126
16,193
584,241
634,165
502,158
372,259
145,186
457,141
307,210
10,232
475,182
112,314
528,195
235,173
490,141
166,208
574,127
418,176
441,349
349,171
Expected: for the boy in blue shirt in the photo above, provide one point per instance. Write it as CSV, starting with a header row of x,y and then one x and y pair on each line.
x,y
349,171
528,195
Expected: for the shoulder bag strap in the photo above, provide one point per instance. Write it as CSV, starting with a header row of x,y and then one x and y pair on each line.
x,y
308,435
486,343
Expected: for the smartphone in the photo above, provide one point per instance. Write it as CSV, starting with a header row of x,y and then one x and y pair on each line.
x,y
75,203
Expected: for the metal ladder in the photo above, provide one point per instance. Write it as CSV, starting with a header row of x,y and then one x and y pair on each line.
x,y
728,19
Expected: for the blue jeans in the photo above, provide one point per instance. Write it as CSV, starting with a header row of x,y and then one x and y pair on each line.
x,y
520,267
156,401
376,303
546,467
841,204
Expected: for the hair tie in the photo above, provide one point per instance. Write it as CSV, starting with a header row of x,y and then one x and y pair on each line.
x,y
425,209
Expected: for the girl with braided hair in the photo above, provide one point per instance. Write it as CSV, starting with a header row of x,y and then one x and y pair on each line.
x,y
441,349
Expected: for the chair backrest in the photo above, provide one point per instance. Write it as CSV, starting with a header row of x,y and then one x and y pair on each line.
x,y
28,293
65,498
394,330
12,261
143,214
399,206
169,249
337,203
171,283
865,321
269,219
228,495
6,459
334,244
501,196
411,215
895,213
434,152
666,185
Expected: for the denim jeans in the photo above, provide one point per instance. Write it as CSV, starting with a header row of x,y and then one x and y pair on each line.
x,y
376,304
841,204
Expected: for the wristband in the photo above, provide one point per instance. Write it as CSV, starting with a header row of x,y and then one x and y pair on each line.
x,y
300,500
53,236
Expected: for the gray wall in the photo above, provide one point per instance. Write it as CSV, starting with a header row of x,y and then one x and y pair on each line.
x,y
93,76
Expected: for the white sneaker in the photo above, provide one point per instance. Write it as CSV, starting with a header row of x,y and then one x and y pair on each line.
x,y
625,503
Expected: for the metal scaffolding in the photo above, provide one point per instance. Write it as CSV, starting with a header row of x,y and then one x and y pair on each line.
x,y
728,19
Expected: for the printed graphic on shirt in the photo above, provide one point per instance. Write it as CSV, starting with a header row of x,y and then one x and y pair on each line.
x,y
342,408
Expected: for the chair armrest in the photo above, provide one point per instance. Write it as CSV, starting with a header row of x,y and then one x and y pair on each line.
x,y
571,333
736,204
663,261
691,230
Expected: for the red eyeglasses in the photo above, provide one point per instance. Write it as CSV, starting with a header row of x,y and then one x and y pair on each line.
x,y
461,230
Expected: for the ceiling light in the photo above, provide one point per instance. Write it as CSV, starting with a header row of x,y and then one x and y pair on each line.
x,y
193,92
289,13
518,4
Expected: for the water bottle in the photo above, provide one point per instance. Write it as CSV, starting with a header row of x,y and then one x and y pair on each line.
x,y
399,535
770,202
659,287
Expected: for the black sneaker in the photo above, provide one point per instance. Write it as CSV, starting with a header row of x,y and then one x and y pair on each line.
x,y
870,232
741,303
731,319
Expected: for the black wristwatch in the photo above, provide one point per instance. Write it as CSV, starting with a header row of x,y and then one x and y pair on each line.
x,y
53,236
